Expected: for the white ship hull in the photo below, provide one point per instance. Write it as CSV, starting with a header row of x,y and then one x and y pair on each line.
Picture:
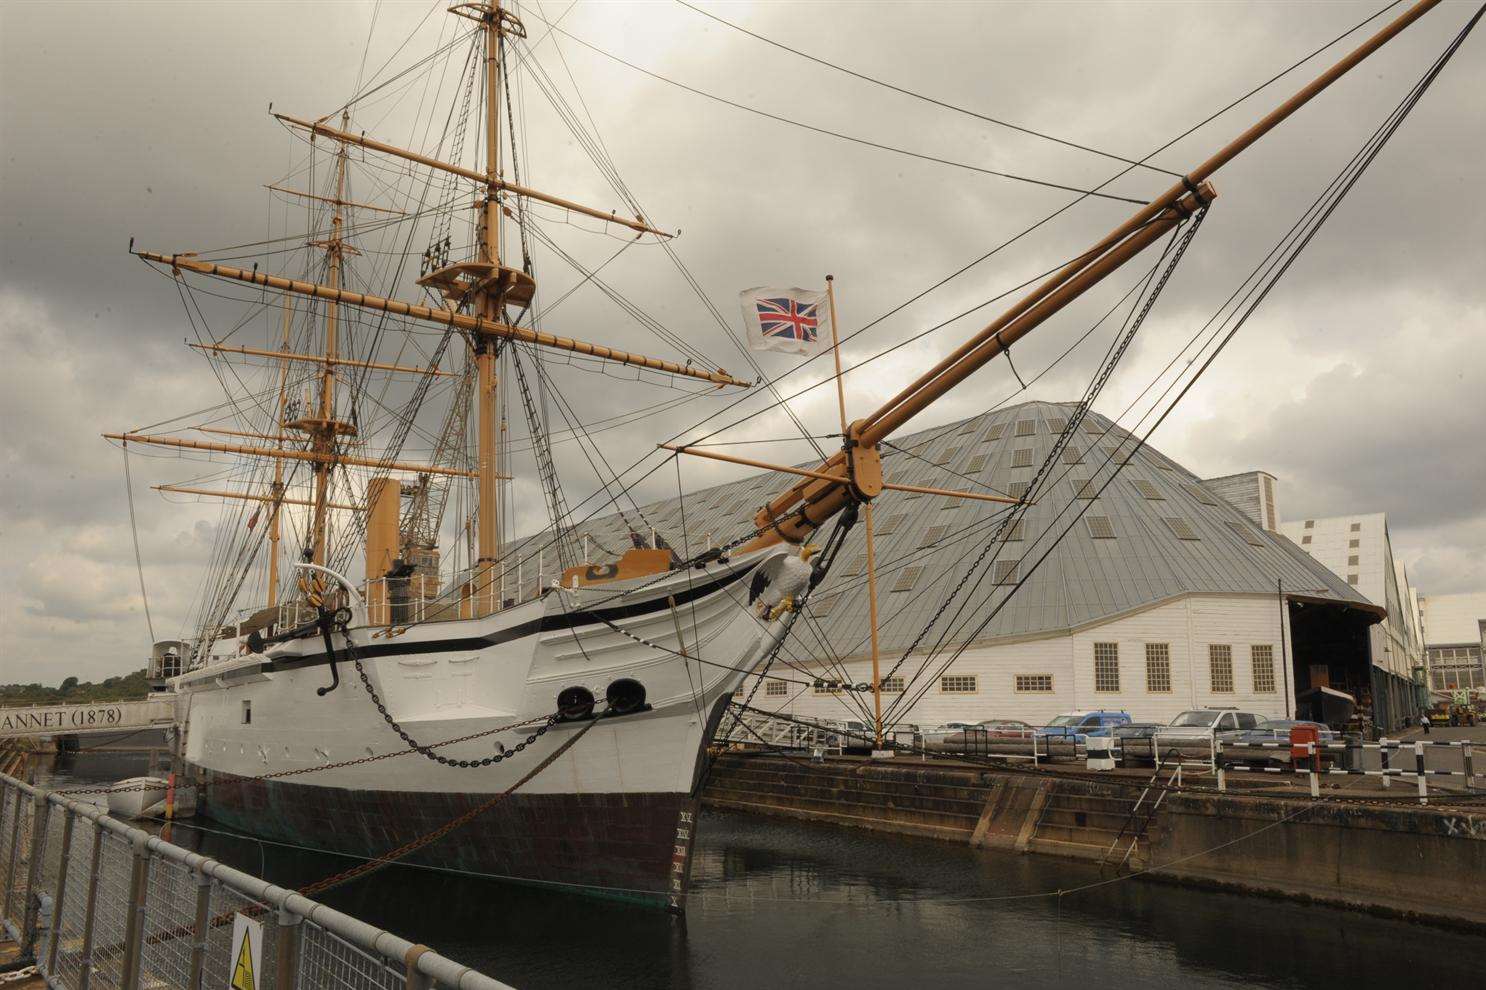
x,y
613,814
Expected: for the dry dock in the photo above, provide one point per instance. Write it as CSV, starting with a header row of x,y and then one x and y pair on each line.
x,y
1381,855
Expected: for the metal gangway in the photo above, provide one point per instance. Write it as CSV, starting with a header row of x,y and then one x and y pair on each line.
x,y
751,729
101,905
89,718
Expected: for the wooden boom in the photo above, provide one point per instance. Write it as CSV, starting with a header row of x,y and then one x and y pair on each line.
x,y
312,456
361,140
249,496
320,359
460,321
794,514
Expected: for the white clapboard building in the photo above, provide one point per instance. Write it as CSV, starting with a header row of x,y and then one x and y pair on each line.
x,y
1162,596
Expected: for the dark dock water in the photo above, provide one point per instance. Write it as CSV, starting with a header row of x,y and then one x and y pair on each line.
x,y
788,904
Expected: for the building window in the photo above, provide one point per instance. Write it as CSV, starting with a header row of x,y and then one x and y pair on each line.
x,y
1007,571
1018,489
1100,527
947,455
892,685
1263,660
824,606
1246,534
1201,494
1181,529
933,535
1106,666
891,525
1353,544
1310,524
247,711
1026,427
1352,579
859,565
1220,664
1014,535
1158,667
1356,528
957,684
996,431
977,464
1021,457
827,687
1057,425
1071,455
775,688
1352,560
1034,683
1092,428
1305,540
1087,490
907,579
971,425
1149,491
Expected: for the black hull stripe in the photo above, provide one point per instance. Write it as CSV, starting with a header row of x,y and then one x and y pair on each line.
x,y
547,623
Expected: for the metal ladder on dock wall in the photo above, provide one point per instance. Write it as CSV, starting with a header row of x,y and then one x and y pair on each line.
x,y
1150,806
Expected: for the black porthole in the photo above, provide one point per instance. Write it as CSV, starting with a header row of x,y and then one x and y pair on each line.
x,y
625,695
574,703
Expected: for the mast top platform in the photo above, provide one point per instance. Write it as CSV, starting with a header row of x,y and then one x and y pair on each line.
x,y
506,22
511,286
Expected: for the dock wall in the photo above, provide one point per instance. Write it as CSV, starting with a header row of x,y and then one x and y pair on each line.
x,y
1408,861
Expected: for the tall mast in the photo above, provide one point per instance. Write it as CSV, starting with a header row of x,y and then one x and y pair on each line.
x,y
325,429
491,307
277,492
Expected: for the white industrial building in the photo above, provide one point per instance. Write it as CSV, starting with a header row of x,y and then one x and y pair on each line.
x,y
1359,548
1164,595
1455,641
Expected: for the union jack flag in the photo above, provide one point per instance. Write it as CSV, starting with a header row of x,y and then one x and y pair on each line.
x,y
791,320
785,317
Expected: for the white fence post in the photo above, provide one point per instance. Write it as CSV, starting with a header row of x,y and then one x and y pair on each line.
x,y
1419,775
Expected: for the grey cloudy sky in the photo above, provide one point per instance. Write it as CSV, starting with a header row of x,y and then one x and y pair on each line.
x,y
1358,383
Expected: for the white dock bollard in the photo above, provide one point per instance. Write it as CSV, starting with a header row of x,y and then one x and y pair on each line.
x,y
1099,753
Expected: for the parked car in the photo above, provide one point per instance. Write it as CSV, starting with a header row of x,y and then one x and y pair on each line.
x,y
980,736
1246,745
1203,723
1078,726
938,737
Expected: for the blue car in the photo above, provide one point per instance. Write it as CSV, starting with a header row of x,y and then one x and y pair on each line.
x,y
1078,726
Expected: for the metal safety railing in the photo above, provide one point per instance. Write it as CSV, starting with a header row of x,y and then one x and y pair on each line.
x,y
1309,759
102,905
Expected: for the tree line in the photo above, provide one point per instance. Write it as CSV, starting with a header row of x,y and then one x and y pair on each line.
x,y
128,687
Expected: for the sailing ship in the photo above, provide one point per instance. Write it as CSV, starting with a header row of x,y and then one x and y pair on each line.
x,y
398,679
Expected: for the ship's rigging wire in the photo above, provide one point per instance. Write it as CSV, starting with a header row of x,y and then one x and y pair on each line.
x,y
1276,77
921,96
1255,289
1017,237
138,560
853,139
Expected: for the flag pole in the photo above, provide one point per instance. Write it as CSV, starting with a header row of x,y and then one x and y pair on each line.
x,y
867,514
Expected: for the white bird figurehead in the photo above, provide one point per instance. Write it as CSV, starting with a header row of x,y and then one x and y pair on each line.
x,y
781,580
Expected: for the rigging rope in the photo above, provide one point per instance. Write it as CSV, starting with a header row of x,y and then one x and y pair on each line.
x,y
138,561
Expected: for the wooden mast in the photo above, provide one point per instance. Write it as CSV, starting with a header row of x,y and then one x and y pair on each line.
x,y
491,307
324,431
277,491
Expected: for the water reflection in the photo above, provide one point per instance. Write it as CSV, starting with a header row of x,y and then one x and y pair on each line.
x,y
783,904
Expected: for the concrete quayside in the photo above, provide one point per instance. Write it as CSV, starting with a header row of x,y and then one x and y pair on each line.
x,y
1379,854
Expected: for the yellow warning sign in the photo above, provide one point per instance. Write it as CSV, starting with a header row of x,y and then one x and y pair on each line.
x,y
247,952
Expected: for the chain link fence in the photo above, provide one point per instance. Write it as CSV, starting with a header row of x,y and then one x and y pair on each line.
x,y
101,905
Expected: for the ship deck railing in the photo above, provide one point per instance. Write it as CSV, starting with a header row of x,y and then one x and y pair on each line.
x,y
103,905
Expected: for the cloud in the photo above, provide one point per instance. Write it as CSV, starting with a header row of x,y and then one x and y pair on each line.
x,y
1355,382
